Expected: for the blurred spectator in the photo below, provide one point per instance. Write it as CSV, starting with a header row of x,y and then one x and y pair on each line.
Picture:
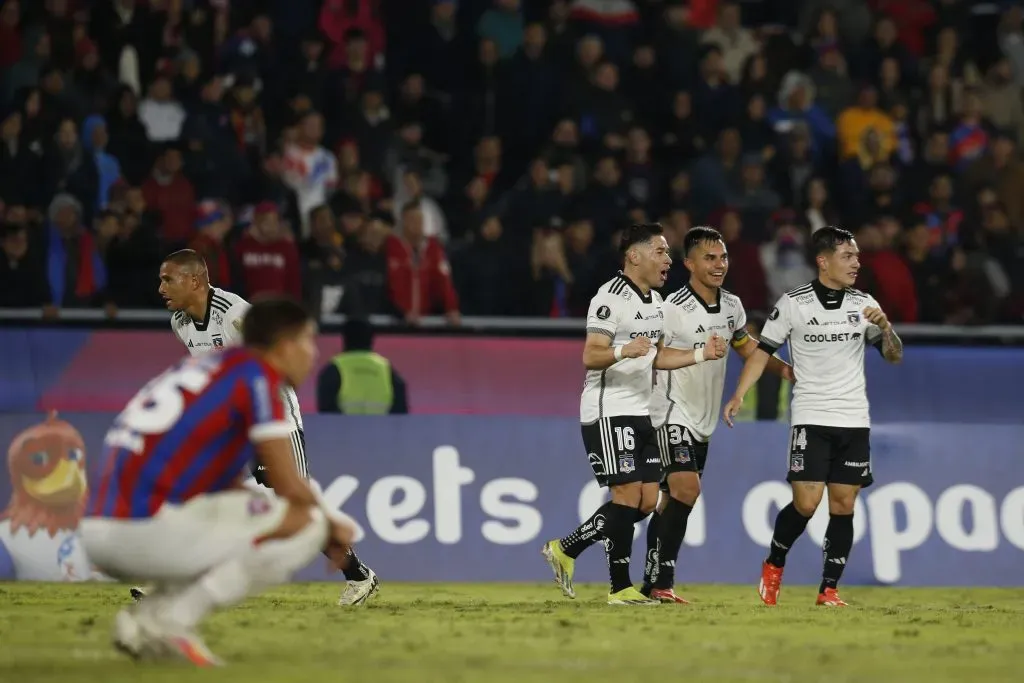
x,y
833,90
970,137
928,270
324,259
419,277
756,201
503,23
171,194
1003,170
161,114
213,223
133,254
1001,100
746,277
309,169
487,279
856,124
796,104
108,169
784,258
366,268
736,42
884,273
943,218
22,276
268,257
348,23
75,270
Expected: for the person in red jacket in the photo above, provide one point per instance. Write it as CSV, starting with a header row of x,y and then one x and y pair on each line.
x,y
886,276
268,257
419,278
173,196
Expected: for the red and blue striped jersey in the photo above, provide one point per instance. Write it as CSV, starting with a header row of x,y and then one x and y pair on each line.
x,y
188,432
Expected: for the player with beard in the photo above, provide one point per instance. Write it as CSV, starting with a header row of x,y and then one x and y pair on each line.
x,y
623,346
686,401
205,318
828,324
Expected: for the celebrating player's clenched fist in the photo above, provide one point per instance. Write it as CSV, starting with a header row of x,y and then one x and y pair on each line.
x,y
715,348
637,348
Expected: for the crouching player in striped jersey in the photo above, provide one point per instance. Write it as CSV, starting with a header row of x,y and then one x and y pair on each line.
x,y
686,401
171,507
206,318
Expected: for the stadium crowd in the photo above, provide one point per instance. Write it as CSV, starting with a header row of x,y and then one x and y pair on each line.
x,y
478,157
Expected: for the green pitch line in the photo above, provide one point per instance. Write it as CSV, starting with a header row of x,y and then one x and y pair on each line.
x,y
520,633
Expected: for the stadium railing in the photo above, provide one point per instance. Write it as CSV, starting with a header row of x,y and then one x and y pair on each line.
x,y
1011,335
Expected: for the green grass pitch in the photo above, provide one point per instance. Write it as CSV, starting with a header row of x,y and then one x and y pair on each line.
x,y
518,633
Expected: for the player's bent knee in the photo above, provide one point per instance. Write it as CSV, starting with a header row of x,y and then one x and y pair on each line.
x,y
807,497
684,487
627,494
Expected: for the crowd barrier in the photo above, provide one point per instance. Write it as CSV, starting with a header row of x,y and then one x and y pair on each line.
x,y
79,369
472,498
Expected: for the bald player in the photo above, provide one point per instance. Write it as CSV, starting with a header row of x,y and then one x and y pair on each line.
x,y
206,318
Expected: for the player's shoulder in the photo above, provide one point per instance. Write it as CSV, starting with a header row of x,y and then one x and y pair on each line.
x,y
856,296
802,290
224,301
682,300
730,300
180,321
614,291
799,296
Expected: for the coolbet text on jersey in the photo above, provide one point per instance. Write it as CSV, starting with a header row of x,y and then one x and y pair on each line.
x,y
827,333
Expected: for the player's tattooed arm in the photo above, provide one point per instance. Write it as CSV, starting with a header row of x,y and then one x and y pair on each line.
x,y
892,345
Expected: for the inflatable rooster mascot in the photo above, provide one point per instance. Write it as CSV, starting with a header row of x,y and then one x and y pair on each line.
x,y
38,528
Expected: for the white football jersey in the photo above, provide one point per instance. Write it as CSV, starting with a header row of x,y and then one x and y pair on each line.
x,y
221,328
692,396
622,312
827,334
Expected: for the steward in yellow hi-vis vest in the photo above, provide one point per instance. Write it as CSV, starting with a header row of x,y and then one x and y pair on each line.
x,y
359,381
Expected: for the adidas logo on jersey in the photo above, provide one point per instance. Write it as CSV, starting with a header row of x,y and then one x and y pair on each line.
x,y
813,321
639,316
700,329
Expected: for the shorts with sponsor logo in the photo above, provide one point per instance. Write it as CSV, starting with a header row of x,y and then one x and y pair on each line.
x,y
622,450
834,455
298,441
680,451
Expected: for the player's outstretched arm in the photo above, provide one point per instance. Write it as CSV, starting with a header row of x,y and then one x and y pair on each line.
x,y
673,359
892,345
752,371
775,365
599,354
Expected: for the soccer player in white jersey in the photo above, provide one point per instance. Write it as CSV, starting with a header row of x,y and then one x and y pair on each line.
x,y
205,318
686,402
623,346
828,324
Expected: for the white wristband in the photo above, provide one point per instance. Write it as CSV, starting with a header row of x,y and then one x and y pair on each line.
x,y
618,353
698,355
